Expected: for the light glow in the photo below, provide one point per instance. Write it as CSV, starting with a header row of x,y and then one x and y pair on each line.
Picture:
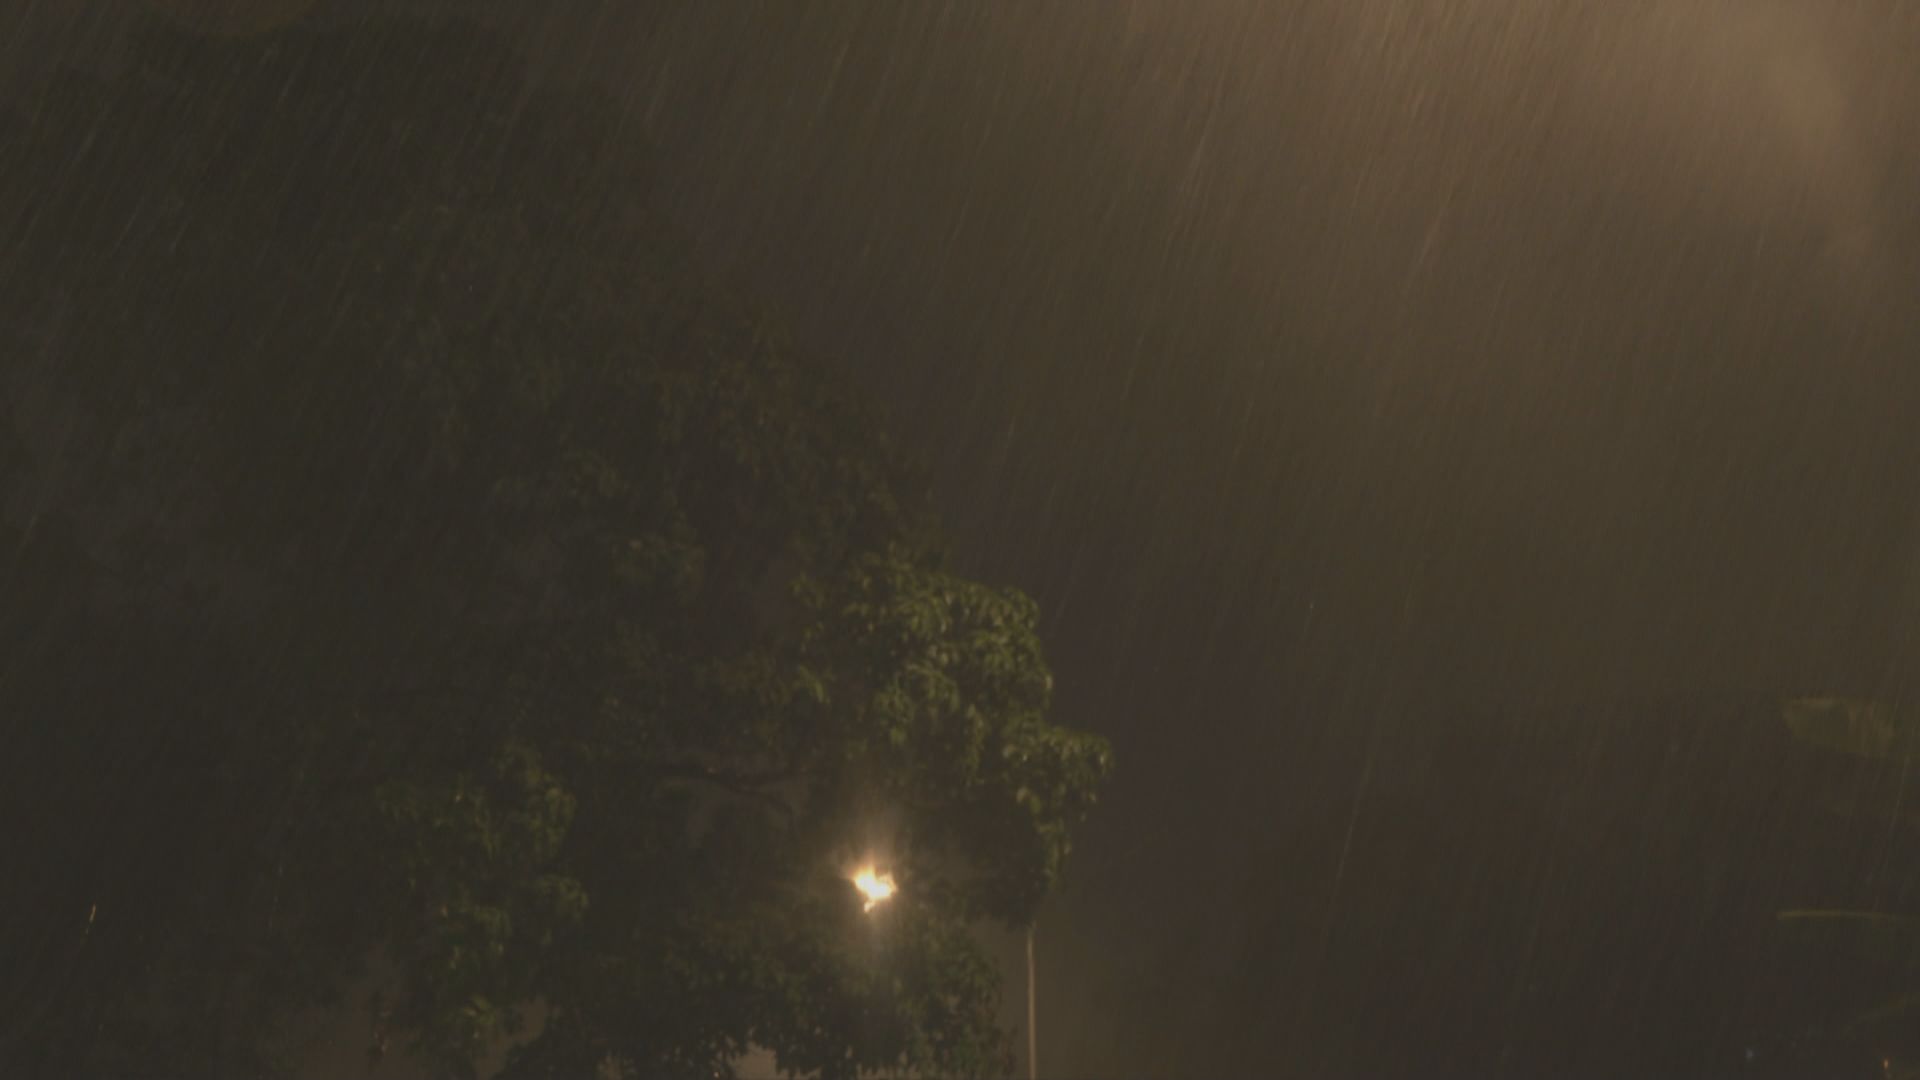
x,y
873,885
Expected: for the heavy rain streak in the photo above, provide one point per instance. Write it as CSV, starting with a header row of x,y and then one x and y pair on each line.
x,y
652,538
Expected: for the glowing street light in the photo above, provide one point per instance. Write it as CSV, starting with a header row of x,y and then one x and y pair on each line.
x,y
878,888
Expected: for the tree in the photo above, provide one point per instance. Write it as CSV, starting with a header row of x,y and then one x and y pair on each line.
x,y
419,575
1880,950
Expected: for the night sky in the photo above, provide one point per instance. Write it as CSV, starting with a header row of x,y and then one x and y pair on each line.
x,y
1437,433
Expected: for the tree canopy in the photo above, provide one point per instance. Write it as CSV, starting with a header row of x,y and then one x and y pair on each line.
x,y
419,576
1876,950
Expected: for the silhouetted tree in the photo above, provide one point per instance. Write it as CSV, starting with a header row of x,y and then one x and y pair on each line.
x,y
416,574
1873,1003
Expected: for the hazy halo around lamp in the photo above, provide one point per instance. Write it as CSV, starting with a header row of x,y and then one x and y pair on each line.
x,y
875,886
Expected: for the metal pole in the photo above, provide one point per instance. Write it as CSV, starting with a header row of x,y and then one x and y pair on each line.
x,y
1033,1035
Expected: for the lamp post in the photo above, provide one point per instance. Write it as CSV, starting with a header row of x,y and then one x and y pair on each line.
x,y
877,888
1033,1031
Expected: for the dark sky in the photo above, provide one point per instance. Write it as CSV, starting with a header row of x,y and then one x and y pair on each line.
x,y
1334,372
1328,370
1560,351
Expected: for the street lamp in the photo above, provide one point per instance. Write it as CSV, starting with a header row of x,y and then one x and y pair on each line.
x,y
877,887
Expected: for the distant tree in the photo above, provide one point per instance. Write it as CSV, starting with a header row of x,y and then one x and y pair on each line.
x,y
416,574
1879,949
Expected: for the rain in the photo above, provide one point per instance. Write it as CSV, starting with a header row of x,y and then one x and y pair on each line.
x,y
1461,453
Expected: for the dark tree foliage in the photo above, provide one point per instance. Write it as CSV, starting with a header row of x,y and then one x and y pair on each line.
x,y
415,576
1869,1001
